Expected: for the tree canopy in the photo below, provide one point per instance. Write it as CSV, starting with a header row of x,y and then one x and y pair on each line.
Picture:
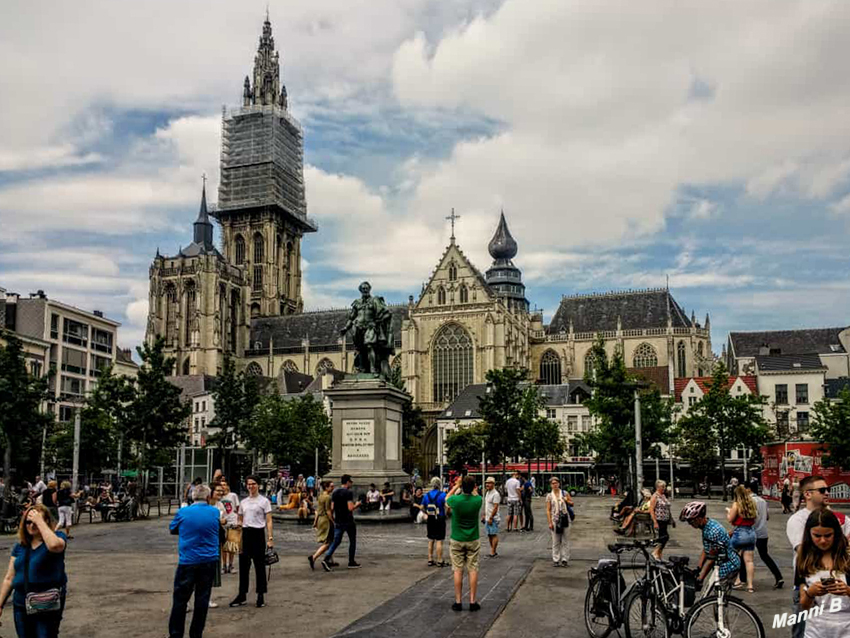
x,y
831,426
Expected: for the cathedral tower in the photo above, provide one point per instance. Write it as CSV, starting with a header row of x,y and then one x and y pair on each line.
x,y
261,202
503,277
198,302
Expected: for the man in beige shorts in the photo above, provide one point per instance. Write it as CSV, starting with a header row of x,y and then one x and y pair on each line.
x,y
465,504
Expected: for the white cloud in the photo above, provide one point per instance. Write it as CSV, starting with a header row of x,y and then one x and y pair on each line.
x,y
703,209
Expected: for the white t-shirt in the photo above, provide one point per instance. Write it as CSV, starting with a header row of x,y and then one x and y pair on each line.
x,y
796,527
40,487
835,619
512,486
253,510
491,500
373,496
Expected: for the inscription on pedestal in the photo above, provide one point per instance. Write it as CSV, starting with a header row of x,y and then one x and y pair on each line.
x,y
358,439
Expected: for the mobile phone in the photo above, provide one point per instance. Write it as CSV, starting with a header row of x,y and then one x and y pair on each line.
x,y
826,582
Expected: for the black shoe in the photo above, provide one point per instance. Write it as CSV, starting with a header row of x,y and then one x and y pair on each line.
x,y
312,562
474,606
239,601
261,601
333,563
326,565
779,584
353,565
457,607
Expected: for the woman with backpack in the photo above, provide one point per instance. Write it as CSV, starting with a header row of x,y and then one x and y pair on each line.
x,y
557,504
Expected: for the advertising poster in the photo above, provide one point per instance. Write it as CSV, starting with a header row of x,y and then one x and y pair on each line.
x,y
797,460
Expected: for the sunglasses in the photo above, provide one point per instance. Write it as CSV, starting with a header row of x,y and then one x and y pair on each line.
x,y
822,490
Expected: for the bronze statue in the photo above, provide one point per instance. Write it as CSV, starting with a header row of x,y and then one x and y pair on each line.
x,y
373,335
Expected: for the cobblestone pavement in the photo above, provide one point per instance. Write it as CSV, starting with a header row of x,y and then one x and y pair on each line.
x,y
121,576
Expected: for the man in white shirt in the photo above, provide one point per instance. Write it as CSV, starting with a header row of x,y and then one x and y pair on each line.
x,y
512,487
816,495
39,486
492,501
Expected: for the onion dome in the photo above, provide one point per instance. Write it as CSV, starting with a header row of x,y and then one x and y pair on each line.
x,y
503,245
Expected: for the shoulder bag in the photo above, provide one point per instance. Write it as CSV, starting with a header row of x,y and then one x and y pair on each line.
x,y
563,520
38,602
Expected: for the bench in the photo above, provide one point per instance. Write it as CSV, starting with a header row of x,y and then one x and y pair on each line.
x,y
642,524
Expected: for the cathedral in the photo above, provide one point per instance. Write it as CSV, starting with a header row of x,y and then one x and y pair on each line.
x,y
245,298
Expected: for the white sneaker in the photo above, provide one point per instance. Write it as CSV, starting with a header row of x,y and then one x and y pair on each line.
x,y
213,605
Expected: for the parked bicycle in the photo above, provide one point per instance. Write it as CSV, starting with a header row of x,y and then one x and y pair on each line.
x,y
657,608
608,596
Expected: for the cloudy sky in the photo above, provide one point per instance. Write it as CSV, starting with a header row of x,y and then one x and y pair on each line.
x,y
626,141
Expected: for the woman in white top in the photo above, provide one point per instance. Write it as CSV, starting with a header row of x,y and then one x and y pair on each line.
x,y
559,522
255,518
823,564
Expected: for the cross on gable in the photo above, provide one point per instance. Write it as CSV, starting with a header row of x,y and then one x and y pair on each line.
x,y
453,217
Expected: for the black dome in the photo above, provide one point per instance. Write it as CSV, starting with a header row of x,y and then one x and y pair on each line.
x,y
502,246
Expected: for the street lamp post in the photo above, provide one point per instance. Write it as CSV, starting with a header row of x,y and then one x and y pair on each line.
x,y
75,477
638,442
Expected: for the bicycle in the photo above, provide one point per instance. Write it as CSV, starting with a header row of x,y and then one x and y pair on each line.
x,y
607,593
659,606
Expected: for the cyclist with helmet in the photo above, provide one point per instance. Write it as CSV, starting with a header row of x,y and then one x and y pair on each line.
x,y
715,540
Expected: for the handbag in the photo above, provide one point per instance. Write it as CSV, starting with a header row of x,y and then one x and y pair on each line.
x,y
37,602
563,521
271,556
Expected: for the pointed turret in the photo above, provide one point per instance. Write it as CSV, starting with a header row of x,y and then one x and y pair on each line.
x,y
503,245
266,70
503,277
203,226
707,324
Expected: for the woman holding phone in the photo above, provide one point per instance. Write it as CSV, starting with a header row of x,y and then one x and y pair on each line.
x,y
823,564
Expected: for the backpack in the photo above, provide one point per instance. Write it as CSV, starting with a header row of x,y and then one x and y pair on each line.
x,y
432,505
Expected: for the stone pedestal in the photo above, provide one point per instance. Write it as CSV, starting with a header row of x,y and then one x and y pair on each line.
x,y
367,433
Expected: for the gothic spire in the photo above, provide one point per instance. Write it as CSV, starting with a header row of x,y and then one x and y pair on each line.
x,y
203,226
503,245
267,88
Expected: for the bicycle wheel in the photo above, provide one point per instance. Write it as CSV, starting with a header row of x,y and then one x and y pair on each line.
x,y
645,616
737,621
598,616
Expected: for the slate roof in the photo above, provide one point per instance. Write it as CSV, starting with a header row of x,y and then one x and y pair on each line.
x,y
315,387
470,396
703,382
636,310
834,386
781,363
290,382
805,341
125,356
193,384
321,327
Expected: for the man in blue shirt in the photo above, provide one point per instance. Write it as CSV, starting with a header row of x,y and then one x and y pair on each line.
x,y
198,529
715,542
434,505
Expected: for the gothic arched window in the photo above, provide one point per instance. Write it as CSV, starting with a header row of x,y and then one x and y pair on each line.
x,y
645,356
186,366
681,360
259,248
234,320
441,296
452,272
289,366
589,362
464,294
191,300
451,362
240,250
550,368
170,313
257,282
255,310
254,370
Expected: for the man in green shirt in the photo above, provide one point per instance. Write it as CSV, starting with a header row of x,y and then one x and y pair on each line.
x,y
465,545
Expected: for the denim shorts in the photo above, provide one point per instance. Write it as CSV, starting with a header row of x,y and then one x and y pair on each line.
x,y
492,530
744,539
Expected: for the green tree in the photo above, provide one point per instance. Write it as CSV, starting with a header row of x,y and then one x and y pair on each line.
x,y
465,445
102,419
696,442
501,410
231,413
612,402
541,437
156,416
291,430
831,426
722,422
21,421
